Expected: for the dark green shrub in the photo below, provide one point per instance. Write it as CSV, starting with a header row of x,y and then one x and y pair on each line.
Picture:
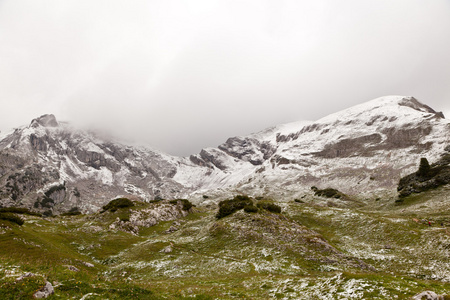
x,y
186,204
54,189
74,211
269,206
227,207
115,204
47,213
47,202
205,197
242,198
250,209
71,213
19,210
12,218
299,201
76,193
329,193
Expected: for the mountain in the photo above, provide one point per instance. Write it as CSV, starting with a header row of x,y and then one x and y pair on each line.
x,y
366,148
320,222
51,166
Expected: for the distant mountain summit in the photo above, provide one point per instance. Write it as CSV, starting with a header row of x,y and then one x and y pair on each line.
x,y
53,167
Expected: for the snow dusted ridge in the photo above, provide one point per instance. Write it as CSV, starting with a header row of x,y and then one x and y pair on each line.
x,y
365,148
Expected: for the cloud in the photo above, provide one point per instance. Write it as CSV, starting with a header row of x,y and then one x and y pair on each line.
x,y
182,75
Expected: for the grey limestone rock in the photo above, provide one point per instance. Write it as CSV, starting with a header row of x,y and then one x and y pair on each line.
x,y
427,295
46,291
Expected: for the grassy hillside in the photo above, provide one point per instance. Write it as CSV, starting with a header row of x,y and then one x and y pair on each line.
x,y
384,250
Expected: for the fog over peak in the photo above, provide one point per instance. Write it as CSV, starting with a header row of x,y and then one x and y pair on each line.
x,y
183,75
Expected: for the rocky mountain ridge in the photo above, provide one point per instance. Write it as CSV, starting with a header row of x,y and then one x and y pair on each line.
x,y
54,167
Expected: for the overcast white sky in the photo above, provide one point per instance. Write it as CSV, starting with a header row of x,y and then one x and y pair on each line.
x,y
182,75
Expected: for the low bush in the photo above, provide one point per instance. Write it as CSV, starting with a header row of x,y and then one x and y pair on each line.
x,y
71,213
47,213
19,210
328,193
269,206
250,209
115,204
54,189
186,204
47,202
12,218
228,207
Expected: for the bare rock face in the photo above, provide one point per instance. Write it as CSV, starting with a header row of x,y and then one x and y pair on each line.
x,y
248,149
45,121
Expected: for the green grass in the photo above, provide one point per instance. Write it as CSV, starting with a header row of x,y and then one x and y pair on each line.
x,y
306,251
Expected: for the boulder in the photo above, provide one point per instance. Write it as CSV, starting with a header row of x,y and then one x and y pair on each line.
x,y
167,249
427,295
73,268
46,291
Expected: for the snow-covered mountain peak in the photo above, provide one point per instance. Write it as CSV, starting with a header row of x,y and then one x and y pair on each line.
x,y
47,120
391,107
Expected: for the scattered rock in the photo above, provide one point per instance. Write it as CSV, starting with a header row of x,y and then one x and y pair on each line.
x,y
73,268
172,229
46,291
168,249
89,265
89,295
29,274
428,295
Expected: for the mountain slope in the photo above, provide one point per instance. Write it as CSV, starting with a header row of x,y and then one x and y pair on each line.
x,y
91,168
54,167
362,149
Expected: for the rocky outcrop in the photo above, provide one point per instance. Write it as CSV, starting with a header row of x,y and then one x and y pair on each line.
x,y
360,146
248,149
427,295
44,121
45,292
433,176
158,212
